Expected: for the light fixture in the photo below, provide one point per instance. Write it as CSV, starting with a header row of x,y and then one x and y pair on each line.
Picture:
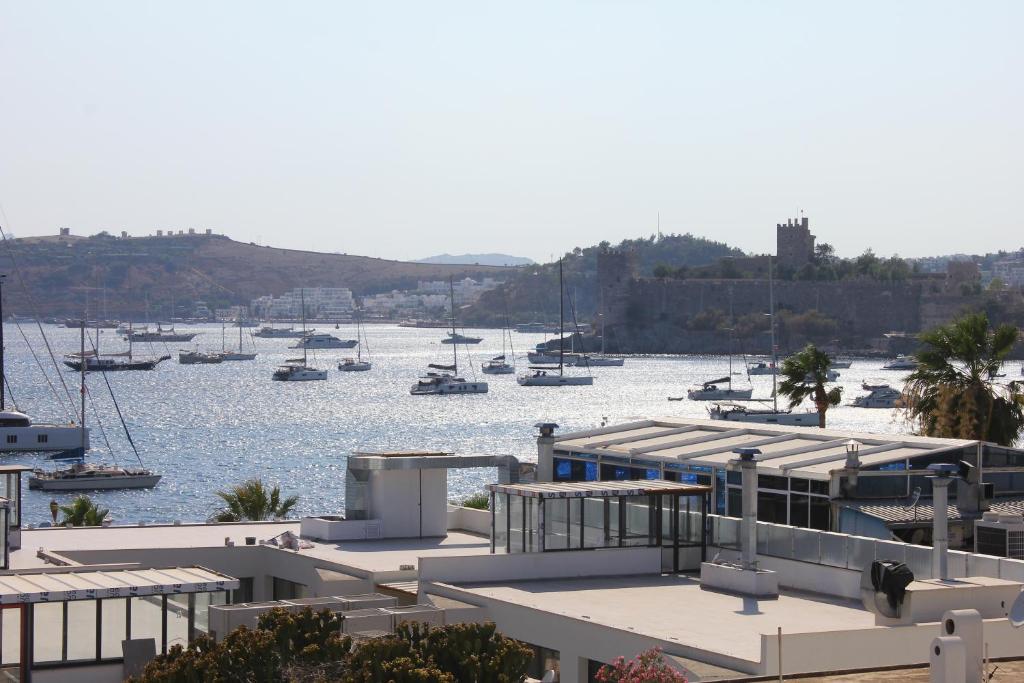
x,y
852,451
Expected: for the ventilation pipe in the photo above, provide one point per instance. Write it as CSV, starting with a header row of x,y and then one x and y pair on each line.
x,y
748,528
942,475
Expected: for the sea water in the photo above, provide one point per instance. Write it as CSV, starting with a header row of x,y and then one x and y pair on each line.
x,y
208,427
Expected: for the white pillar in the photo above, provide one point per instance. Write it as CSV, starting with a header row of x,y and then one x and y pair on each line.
x,y
546,451
748,530
940,527
572,669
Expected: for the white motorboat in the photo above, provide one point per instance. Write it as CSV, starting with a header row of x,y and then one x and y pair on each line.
x,y
447,381
90,477
456,338
554,375
841,364
872,384
269,332
883,397
772,416
762,368
712,391
830,376
901,362
322,340
357,364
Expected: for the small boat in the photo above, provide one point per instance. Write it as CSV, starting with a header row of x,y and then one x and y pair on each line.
x,y
773,416
436,384
298,373
234,355
497,366
762,368
554,375
456,338
198,358
901,362
313,342
830,376
711,391
356,364
159,335
872,384
91,477
447,381
841,364
884,397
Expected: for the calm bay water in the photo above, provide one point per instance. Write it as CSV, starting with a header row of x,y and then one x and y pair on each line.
x,y
206,427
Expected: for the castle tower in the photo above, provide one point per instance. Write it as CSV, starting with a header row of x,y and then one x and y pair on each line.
x,y
794,243
615,271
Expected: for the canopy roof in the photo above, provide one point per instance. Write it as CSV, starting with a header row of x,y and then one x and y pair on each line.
x,y
599,489
89,585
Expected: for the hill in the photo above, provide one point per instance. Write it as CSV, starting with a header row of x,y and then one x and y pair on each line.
x,y
531,293
140,276
479,259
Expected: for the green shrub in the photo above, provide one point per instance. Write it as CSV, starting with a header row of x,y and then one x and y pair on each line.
x,y
478,501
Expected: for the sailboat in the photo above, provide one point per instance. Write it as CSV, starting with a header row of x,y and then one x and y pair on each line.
x,y
356,364
83,476
240,354
19,433
94,361
447,381
603,360
499,365
291,371
544,375
772,415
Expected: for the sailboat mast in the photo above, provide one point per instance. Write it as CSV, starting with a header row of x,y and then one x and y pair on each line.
x,y
455,341
3,378
359,339
302,298
561,320
239,332
81,374
771,320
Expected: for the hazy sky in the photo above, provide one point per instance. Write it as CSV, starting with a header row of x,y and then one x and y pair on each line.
x,y
408,129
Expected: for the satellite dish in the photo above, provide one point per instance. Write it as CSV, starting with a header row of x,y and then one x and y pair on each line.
x,y
1017,612
915,497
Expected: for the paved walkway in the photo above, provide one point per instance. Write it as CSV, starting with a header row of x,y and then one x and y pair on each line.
x,y
1007,672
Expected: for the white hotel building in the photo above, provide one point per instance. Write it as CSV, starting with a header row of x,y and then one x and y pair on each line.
x,y
624,542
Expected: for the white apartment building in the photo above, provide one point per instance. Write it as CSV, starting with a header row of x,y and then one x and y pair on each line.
x,y
325,303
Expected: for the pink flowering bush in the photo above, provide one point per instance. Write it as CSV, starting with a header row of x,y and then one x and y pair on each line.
x,y
648,667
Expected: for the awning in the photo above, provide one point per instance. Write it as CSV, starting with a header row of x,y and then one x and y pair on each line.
x,y
60,586
600,489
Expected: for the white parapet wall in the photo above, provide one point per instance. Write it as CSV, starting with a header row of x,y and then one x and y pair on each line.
x,y
469,519
552,565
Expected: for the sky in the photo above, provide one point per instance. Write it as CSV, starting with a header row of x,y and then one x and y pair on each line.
x,y
407,129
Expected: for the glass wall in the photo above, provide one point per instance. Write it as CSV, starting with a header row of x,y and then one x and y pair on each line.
x,y
113,626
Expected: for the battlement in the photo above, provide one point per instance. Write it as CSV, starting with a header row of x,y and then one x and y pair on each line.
x,y
794,243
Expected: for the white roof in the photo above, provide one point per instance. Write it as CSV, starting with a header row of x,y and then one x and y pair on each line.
x,y
806,452
121,583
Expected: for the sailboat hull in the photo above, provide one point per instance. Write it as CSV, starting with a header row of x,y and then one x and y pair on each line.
x,y
237,356
355,366
554,381
719,394
143,481
772,417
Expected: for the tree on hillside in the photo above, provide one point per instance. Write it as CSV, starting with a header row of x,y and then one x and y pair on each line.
x,y
252,501
804,375
954,392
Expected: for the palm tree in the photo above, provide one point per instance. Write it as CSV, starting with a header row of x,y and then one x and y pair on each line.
x,y
953,392
804,375
83,512
251,501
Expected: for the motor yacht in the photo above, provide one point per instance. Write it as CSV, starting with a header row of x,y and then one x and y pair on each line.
x,y
322,340
901,363
883,397
436,384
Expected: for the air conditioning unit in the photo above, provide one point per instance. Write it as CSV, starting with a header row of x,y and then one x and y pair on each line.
x,y
1000,534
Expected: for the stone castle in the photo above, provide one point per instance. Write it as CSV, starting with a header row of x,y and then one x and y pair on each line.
x,y
652,315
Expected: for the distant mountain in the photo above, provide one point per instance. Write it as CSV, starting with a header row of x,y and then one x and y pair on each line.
x,y
478,260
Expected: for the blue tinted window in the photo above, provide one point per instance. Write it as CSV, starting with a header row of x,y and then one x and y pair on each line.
x,y
563,470
591,471
653,474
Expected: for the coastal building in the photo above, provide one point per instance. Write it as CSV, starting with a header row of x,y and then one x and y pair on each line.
x,y
324,303
612,550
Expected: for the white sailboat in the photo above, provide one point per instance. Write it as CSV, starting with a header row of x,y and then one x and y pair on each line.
x,y
84,476
357,364
499,365
292,371
544,375
772,415
447,381
233,355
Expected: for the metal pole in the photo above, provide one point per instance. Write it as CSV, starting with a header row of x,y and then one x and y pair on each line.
x,y
83,361
779,639
940,529
2,389
749,523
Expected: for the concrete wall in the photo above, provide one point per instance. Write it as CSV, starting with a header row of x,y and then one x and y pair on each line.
x,y
526,566
469,519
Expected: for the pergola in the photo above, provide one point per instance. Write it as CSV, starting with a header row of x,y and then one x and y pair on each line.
x,y
556,516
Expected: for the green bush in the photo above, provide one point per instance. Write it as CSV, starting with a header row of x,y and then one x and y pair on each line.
x,y
478,501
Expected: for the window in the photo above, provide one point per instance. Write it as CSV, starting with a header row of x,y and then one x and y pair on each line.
x,y
42,438
799,509
81,630
12,438
772,507
47,625
287,590
821,514
244,591
114,630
